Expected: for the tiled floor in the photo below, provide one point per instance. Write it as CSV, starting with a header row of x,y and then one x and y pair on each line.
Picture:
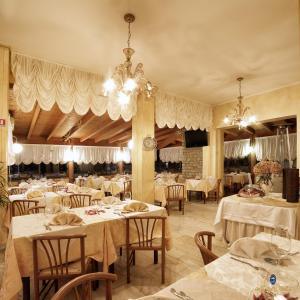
x,y
183,259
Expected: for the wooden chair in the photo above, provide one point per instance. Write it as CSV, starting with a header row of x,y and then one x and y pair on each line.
x,y
228,184
20,207
17,191
203,240
96,201
54,251
127,188
216,190
58,188
80,200
176,193
143,228
35,210
81,288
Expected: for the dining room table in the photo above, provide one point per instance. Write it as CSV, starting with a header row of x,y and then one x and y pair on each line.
x,y
105,232
237,278
204,185
238,217
114,186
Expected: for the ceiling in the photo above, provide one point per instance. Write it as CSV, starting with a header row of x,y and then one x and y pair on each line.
x,y
259,129
193,49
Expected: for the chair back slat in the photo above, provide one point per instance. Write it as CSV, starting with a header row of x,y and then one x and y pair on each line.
x,y
203,240
20,207
35,210
58,188
17,191
175,191
80,200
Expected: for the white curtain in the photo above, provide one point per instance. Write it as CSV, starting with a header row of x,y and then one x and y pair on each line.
x,y
80,154
265,147
175,111
10,152
171,154
49,83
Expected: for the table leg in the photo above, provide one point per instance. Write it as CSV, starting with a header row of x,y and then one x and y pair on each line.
x,y
26,288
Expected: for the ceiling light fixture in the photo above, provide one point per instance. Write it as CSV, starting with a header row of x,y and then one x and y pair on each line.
x,y
240,115
16,147
125,84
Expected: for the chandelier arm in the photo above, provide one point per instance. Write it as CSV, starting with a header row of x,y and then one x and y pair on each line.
x,y
129,35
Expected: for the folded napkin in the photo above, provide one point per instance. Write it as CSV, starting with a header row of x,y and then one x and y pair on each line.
x,y
66,219
96,194
34,194
253,249
24,185
135,207
111,200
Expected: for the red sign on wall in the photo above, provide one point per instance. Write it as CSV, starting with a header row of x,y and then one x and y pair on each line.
x,y
2,122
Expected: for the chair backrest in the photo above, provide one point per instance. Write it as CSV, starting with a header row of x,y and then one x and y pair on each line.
x,y
20,207
58,188
228,180
80,288
176,191
80,200
218,185
142,230
17,191
54,252
35,210
203,240
96,201
81,182
127,186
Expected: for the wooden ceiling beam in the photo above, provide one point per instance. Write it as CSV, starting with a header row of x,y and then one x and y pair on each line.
x,y
249,130
163,132
35,117
268,127
166,135
113,131
83,123
229,132
167,142
104,125
121,136
59,124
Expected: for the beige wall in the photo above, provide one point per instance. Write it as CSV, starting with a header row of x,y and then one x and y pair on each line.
x,y
284,102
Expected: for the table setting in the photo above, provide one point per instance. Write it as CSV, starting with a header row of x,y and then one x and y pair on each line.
x,y
201,185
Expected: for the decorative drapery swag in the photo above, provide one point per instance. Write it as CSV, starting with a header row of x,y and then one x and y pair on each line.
x,y
265,148
171,110
50,83
171,154
56,154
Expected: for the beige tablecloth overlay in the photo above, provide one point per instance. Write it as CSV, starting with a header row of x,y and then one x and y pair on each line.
x,y
201,185
113,186
105,233
199,287
239,217
244,278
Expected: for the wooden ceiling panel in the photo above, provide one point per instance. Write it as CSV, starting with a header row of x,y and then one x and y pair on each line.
x,y
22,122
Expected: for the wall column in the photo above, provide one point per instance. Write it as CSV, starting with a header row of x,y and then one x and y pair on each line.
x,y
143,124
4,86
70,171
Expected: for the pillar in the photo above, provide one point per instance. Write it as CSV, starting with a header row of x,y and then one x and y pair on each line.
x,y
70,168
252,155
4,86
120,167
143,124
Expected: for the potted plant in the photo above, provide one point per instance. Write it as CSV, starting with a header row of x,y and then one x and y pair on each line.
x,y
3,186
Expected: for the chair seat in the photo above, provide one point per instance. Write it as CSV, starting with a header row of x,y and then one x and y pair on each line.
x,y
177,199
156,243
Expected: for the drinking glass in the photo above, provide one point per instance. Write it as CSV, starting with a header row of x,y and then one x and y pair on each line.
x,y
127,196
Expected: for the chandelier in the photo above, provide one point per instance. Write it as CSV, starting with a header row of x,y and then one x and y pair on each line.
x,y
240,114
125,84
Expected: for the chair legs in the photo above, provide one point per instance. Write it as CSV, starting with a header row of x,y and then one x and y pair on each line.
x,y
163,264
155,256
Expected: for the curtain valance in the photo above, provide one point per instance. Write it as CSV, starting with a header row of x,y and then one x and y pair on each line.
x,y
171,154
265,147
55,154
49,83
175,111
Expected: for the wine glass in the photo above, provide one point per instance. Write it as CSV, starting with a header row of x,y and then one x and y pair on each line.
x,y
282,238
127,196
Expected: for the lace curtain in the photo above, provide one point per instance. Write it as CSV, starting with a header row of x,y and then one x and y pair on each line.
x,y
49,83
183,113
265,148
80,154
172,154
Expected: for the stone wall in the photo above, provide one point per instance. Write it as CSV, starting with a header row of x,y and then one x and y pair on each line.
x,y
192,162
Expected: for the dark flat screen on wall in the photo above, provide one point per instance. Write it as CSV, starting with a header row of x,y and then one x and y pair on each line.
x,y
196,138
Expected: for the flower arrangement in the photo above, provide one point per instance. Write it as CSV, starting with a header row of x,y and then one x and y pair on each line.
x,y
265,169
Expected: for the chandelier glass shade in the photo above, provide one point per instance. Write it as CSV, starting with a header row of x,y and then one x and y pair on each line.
x,y
240,115
126,83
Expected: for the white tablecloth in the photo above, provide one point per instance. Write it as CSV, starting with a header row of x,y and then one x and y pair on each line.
x,y
201,185
267,212
114,187
241,178
244,278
